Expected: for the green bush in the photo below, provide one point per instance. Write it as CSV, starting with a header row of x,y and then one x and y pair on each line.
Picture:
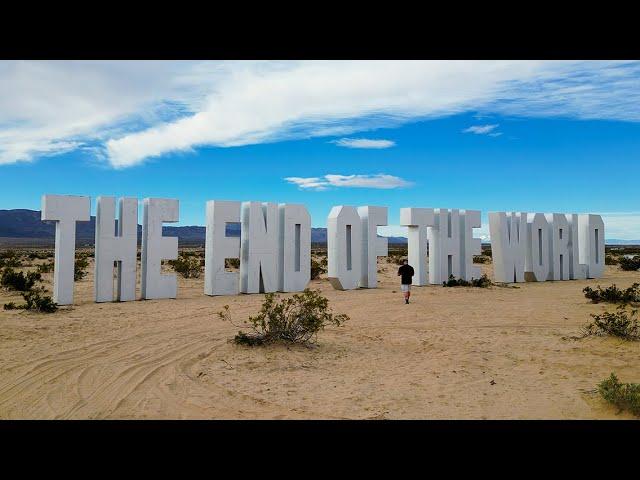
x,y
10,258
630,264
481,259
35,300
318,267
231,263
295,319
40,255
186,265
482,282
613,294
625,396
621,324
45,267
611,260
396,258
79,267
13,280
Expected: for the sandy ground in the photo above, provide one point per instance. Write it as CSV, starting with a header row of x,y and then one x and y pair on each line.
x,y
453,353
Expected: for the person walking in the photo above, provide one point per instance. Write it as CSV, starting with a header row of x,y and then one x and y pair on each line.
x,y
406,274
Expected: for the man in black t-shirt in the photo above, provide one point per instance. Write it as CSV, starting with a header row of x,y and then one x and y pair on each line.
x,y
406,273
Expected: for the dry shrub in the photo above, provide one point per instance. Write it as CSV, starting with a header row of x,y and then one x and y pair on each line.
x,y
482,282
186,265
625,396
295,319
613,294
621,324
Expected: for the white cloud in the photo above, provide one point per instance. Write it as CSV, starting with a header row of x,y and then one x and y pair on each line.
x,y
483,130
140,110
380,181
622,225
364,143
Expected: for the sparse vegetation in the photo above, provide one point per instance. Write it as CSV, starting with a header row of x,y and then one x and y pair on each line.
x,y
186,265
35,300
613,294
625,396
611,260
481,259
45,267
231,263
40,255
10,258
13,280
396,258
295,319
318,267
482,282
79,267
621,323
630,263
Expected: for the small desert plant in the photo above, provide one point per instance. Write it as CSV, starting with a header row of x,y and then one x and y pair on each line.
x,y
621,324
13,280
481,259
295,319
40,255
613,294
45,267
611,260
187,266
231,263
630,263
482,282
79,267
35,300
10,258
625,396
398,259
318,267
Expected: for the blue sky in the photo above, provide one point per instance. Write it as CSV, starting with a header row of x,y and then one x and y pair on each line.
x,y
492,136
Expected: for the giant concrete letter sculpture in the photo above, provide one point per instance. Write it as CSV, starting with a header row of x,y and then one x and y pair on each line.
x,y
469,219
218,247
508,245
577,270
591,238
372,246
444,246
295,248
259,239
344,242
560,235
156,248
417,220
65,210
111,248
538,248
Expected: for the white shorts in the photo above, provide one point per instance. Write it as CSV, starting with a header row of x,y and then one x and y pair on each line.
x,y
405,288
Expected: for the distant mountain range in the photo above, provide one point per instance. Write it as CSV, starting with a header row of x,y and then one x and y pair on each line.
x,y
26,224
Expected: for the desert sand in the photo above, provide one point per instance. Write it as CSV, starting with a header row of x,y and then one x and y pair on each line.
x,y
453,353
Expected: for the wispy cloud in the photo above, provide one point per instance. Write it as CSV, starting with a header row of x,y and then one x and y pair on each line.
x,y
621,225
482,129
380,181
364,143
134,111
